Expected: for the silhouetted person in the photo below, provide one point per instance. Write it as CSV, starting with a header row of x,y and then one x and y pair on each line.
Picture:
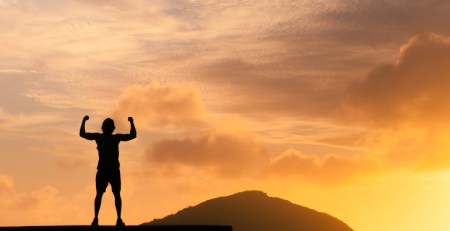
x,y
108,163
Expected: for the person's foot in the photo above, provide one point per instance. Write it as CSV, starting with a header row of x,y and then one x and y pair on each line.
x,y
120,223
94,222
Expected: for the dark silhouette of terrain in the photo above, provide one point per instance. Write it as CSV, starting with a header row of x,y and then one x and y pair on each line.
x,y
254,211
114,228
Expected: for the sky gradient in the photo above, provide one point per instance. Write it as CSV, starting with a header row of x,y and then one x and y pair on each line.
x,y
340,106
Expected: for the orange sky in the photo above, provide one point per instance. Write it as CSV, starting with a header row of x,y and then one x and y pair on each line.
x,y
340,106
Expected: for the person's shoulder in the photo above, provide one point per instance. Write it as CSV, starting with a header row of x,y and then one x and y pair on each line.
x,y
97,135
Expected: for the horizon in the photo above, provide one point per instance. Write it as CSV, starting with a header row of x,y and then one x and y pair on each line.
x,y
338,106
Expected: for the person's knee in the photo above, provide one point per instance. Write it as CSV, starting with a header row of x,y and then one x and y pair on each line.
x,y
117,195
99,194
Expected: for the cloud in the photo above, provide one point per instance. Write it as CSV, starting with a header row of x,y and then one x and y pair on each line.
x,y
42,205
305,45
22,120
413,149
26,201
16,71
260,89
162,105
220,152
369,24
325,170
228,150
223,146
303,62
412,90
403,103
11,199
6,183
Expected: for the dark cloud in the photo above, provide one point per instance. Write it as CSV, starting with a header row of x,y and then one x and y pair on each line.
x,y
225,153
413,89
405,102
261,89
239,154
308,58
381,22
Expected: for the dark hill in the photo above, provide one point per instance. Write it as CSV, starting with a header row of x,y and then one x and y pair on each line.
x,y
254,211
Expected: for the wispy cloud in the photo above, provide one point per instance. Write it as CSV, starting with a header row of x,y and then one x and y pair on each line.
x,y
16,71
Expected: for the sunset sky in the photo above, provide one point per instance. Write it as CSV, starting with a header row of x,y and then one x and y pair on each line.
x,y
340,106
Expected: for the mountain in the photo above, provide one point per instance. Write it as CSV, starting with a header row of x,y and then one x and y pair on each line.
x,y
254,211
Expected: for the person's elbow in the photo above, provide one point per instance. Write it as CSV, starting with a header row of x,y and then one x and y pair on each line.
x,y
133,135
83,135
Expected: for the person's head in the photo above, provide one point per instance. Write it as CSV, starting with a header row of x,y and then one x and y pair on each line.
x,y
108,126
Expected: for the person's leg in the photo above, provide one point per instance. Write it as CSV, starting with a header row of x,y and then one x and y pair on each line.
x,y
100,184
116,188
97,203
118,202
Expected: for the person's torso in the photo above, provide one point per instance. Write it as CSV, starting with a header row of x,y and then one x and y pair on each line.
x,y
108,152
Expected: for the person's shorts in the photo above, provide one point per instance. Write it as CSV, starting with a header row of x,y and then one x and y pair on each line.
x,y
104,177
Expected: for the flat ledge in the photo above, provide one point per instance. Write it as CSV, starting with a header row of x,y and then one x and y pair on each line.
x,y
126,228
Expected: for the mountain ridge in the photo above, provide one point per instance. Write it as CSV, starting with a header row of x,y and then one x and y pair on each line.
x,y
254,211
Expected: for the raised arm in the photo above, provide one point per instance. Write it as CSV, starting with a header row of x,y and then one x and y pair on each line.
x,y
83,133
132,135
